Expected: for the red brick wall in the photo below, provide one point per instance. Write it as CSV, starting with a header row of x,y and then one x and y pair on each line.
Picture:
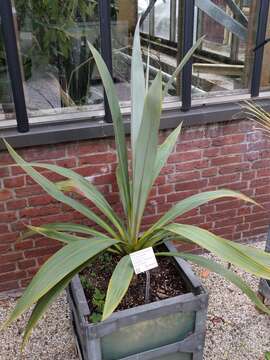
x,y
230,155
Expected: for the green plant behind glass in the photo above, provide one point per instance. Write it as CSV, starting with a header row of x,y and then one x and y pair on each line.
x,y
59,38
121,236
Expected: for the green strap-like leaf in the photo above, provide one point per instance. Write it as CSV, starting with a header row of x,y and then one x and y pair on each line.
x,y
46,300
222,248
118,285
227,274
56,269
165,149
67,227
179,68
117,122
137,88
57,235
87,189
54,192
193,202
145,153
256,254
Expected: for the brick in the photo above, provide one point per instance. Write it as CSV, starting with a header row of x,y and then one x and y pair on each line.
x,y
5,194
15,182
67,163
26,264
94,170
5,248
259,164
166,189
225,214
230,169
106,158
16,204
5,158
25,282
183,176
34,253
224,160
178,196
209,172
263,173
194,144
89,147
4,172
211,152
16,170
9,258
192,165
7,217
248,175
44,153
24,244
233,149
12,276
187,156
44,242
228,140
28,191
224,179
191,134
104,179
3,228
37,212
9,286
41,200
5,268
191,185
168,169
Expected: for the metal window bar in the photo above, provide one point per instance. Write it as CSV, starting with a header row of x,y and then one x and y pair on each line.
x,y
173,20
189,6
259,50
13,63
106,46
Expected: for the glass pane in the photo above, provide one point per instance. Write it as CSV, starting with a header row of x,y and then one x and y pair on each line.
x,y
142,6
59,73
7,110
162,19
155,33
147,335
224,63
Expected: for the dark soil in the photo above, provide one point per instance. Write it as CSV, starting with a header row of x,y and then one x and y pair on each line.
x,y
166,281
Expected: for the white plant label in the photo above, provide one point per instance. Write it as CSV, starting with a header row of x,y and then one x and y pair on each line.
x,y
143,260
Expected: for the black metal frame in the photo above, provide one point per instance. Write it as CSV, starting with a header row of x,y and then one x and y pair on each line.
x,y
106,45
14,66
187,44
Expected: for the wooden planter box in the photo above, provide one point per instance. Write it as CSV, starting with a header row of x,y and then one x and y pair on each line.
x,y
170,329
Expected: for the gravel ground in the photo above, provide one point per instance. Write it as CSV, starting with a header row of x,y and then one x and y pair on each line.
x,y
235,329
51,340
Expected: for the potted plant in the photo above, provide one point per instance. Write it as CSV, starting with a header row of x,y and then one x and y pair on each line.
x,y
169,329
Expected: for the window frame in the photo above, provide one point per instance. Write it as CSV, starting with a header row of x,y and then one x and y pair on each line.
x,y
186,104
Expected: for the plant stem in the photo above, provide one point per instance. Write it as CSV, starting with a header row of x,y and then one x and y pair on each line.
x,y
147,287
